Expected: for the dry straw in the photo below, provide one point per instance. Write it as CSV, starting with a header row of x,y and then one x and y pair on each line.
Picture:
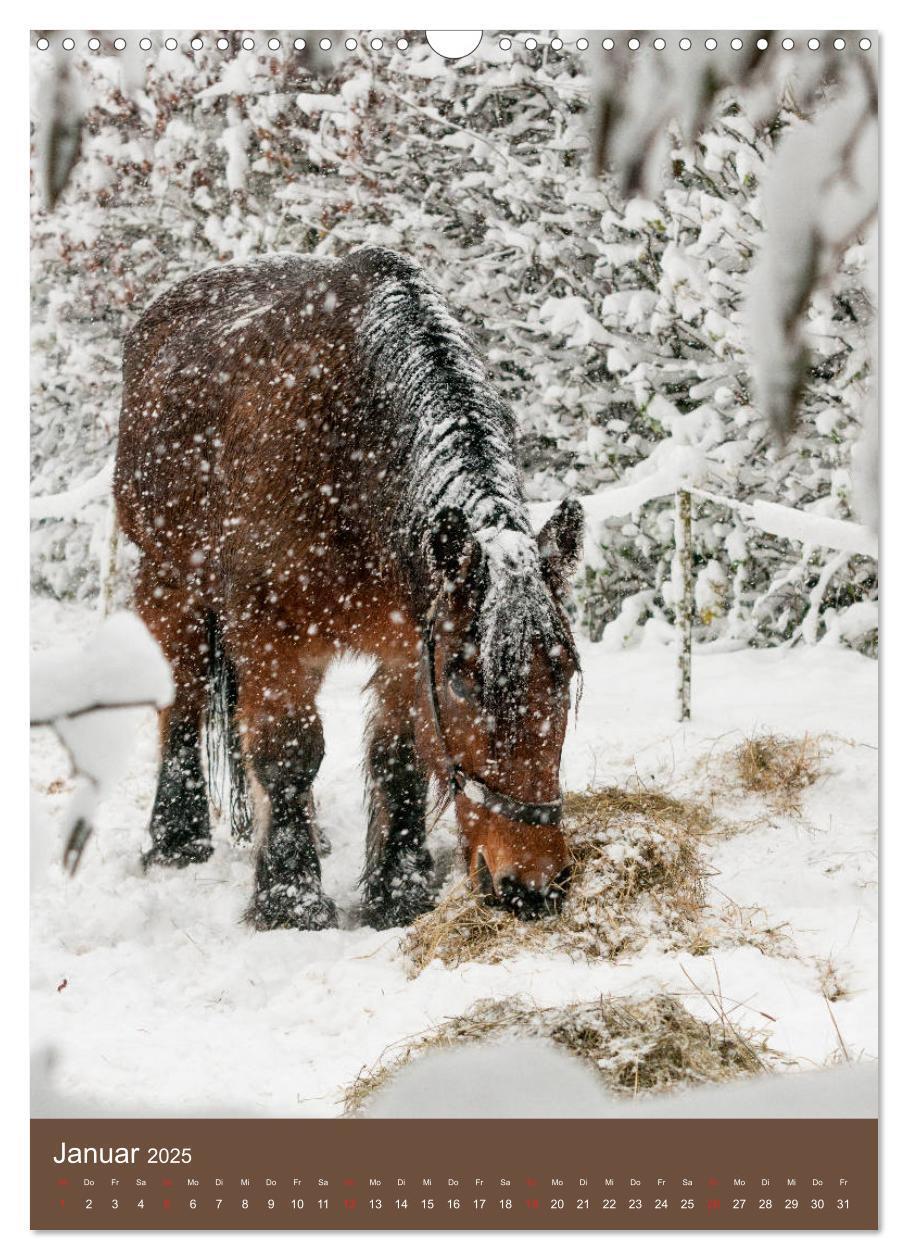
x,y
636,1047
638,873
639,876
778,769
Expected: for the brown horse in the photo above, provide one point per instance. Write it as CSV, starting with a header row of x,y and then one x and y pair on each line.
x,y
312,460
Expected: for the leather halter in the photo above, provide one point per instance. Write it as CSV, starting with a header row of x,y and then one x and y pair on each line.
x,y
475,788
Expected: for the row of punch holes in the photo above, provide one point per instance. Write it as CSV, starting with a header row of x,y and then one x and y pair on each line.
x,y
376,43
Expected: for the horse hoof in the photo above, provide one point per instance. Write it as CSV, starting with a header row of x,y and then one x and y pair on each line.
x,y
394,914
399,893
308,910
383,909
185,855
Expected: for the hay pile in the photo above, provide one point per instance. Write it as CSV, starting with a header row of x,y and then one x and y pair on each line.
x,y
648,1046
777,769
638,874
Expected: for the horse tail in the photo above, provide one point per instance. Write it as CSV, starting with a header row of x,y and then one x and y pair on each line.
x,y
223,744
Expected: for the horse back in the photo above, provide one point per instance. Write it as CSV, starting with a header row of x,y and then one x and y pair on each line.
x,y
243,411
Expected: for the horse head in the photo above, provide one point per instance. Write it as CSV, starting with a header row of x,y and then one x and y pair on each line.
x,y
499,659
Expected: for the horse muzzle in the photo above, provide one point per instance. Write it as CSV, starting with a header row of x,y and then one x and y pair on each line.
x,y
526,870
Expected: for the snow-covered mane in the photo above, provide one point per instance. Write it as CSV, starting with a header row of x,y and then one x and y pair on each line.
x,y
454,448
517,612
454,435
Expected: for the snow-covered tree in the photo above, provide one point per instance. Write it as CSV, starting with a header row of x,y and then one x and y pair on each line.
x,y
616,326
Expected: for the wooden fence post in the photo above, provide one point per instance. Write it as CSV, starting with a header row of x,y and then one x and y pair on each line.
x,y
684,598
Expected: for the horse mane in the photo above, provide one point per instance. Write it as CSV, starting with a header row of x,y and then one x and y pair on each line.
x,y
454,435
455,448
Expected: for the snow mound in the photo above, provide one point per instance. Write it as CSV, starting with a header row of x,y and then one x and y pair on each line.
x,y
633,1046
528,1079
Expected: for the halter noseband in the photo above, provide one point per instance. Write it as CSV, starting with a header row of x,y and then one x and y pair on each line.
x,y
533,813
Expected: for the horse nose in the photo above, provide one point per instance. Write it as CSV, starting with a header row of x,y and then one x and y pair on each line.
x,y
527,900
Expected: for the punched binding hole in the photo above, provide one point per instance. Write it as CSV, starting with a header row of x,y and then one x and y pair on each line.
x,y
453,45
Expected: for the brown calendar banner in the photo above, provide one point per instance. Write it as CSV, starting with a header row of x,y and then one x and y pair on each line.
x,y
454,1174
454,553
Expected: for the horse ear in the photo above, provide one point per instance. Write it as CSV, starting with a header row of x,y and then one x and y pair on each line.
x,y
560,543
451,545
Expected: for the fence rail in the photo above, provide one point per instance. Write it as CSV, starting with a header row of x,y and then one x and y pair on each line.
x,y
843,537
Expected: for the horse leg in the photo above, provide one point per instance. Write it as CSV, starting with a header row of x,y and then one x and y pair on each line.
x,y
285,745
180,827
397,878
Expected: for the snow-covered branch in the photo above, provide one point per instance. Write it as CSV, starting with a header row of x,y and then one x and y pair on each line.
x,y
90,697
70,504
820,193
845,537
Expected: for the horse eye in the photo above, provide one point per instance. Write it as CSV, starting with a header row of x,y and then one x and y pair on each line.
x,y
459,687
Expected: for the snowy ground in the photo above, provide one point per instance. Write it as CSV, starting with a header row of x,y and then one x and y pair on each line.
x,y
171,1005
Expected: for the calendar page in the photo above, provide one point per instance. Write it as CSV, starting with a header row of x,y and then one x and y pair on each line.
x,y
454,543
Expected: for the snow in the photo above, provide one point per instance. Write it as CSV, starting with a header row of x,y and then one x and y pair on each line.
x,y
676,468
524,1078
70,503
817,531
821,192
237,79
120,664
173,1005
88,696
235,140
